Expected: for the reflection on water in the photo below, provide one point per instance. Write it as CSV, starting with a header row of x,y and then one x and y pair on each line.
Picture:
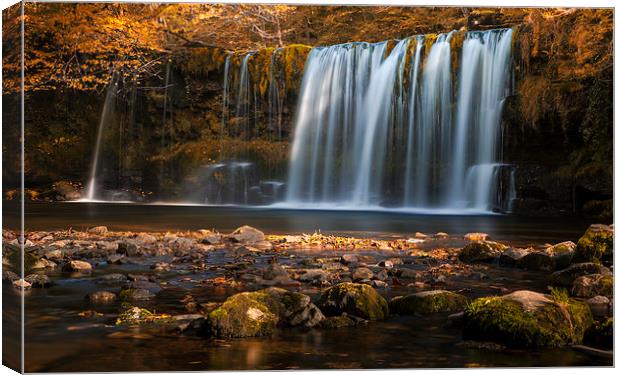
x,y
145,217
58,339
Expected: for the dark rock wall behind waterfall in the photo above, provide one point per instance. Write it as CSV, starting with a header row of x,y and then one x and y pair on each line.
x,y
557,125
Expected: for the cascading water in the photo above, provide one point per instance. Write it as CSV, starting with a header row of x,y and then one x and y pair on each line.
x,y
357,111
243,96
92,188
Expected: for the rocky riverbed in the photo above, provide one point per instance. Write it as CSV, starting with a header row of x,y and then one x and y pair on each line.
x,y
482,295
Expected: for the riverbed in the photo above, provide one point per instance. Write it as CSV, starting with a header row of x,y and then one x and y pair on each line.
x,y
60,338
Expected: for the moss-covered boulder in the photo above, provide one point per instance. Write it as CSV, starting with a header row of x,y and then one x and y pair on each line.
x,y
536,261
567,276
340,321
251,314
526,319
596,244
354,299
481,252
593,285
427,302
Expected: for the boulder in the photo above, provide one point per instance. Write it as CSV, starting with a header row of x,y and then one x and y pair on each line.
x,y
567,276
593,285
251,314
77,266
599,306
511,256
481,252
334,322
274,271
536,261
129,249
247,234
427,302
314,275
362,273
354,299
596,244
526,319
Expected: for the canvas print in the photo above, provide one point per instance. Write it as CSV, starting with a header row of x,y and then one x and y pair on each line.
x,y
204,186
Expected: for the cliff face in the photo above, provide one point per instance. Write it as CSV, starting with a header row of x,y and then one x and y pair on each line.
x,y
557,124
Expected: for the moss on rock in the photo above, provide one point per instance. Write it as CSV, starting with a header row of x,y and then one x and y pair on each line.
x,y
482,251
242,315
596,244
354,299
138,316
334,322
567,276
427,302
536,261
526,319
593,285
251,314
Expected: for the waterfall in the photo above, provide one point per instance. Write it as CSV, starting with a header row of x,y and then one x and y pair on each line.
x,y
243,96
274,101
369,132
329,134
92,188
483,86
411,129
225,100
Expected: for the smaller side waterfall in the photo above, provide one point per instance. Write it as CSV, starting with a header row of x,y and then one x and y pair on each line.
x,y
244,97
92,188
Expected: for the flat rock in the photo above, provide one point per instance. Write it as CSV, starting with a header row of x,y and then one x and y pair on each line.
x,y
98,230
77,266
247,234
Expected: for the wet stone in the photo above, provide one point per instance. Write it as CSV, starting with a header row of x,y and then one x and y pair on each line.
x,y
273,271
600,306
362,273
128,249
101,297
39,281
77,266
98,230
314,275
